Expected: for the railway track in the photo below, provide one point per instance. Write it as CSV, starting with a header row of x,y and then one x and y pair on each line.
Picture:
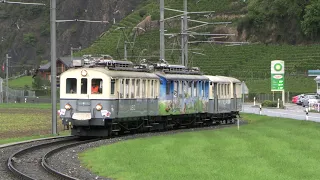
x,y
56,159
32,162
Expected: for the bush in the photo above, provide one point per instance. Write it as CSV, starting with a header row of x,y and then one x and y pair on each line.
x,y
142,12
268,103
29,39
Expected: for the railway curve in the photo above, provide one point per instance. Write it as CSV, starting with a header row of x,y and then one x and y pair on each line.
x,y
62,160
30,163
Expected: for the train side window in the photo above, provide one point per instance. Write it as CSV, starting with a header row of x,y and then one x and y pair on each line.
x,y
127,87
132,88
84,86
203,87
212,90
190,88
96,86
138,88
175,88
121,88
228,89
168,87
180,87
71,86
152,89
195,88
221,90
144,88
225,89
113,82
156,87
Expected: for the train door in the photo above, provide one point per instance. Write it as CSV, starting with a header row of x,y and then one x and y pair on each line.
x,y
234,107
175,96
215,98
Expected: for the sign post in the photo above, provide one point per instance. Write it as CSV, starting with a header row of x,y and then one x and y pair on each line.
x,y
277,77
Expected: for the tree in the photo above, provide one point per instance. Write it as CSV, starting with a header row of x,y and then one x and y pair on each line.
x,y
311,20
40,83
274,20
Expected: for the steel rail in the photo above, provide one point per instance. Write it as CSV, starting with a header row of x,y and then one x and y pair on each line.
x,y
50,169
25,150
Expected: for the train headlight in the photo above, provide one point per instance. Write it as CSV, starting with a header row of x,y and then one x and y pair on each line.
x,y
84,72
68,106
99,107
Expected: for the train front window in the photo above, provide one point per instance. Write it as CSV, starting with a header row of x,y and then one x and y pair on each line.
x,y
84,85
71,86
96,86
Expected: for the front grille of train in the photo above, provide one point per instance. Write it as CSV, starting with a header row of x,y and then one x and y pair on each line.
x,y
84,105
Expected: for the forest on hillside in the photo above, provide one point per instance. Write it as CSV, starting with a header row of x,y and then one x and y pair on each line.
x,y
282,21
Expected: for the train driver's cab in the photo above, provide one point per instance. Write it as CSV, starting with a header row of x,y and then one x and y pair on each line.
x,y
96,86
87,86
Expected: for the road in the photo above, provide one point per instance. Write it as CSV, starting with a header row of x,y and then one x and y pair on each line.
x,y
292,111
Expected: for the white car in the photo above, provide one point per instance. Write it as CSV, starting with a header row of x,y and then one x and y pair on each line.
x,y
310,99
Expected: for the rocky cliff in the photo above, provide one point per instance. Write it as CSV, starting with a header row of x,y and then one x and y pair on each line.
x,y
25,30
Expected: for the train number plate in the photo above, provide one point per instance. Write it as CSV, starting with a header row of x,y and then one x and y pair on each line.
x,y
82,116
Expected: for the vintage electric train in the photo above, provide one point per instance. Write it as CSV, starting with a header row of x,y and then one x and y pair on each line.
x,y
145,97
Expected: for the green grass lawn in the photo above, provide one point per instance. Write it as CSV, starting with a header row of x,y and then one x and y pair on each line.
x,y
26,121
266,148
39,106
21,82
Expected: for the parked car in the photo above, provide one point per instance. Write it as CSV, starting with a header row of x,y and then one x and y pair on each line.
x,y
310,99
295,99
300,99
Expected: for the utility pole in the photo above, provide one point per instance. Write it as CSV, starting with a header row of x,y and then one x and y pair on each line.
x,y
186,31
53,21
182,41
185,34
7,77
53,6
162,53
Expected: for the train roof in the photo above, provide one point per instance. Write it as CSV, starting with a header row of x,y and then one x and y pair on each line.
x,y
182,76
115,74
223,79
232,79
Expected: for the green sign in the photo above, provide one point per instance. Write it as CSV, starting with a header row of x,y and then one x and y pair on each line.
x,y
277,75
277,82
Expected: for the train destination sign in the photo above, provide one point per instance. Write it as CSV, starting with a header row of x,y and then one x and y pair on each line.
x,y
277,75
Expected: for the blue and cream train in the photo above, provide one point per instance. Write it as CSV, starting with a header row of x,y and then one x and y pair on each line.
x,y
136,98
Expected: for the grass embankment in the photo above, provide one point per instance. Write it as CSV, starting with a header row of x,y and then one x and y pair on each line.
x,y
21,82
26,121
266,148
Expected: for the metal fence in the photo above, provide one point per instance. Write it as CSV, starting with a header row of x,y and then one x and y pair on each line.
x,y
261,97
16,96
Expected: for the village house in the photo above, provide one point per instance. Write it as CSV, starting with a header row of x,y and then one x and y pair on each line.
x,y
63,64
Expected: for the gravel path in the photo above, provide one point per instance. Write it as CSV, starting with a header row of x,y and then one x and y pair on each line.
x,y
67,161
